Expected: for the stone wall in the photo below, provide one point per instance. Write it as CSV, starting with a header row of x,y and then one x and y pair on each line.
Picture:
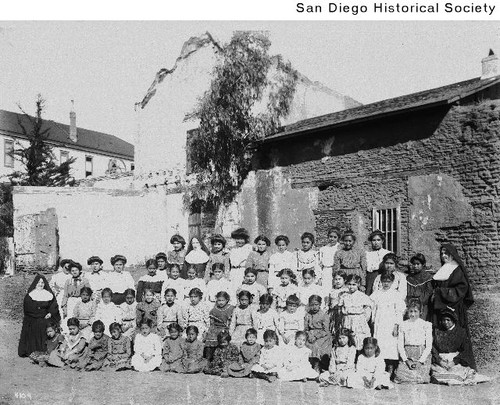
x,y
440,167
80,222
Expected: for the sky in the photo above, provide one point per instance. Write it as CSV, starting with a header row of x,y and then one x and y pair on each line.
x,y
106,67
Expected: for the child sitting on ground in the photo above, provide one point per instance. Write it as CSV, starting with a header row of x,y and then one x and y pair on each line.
x,y
249,356
192,349
342,359
172,352
119,349
270,360
54,340
225,354
147,347
70,353
97,349
296,365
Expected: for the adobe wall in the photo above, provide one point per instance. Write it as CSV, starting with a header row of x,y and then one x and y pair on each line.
x,y
442,168
79,222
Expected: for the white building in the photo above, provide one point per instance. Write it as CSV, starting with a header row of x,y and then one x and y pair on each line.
x,y
96,153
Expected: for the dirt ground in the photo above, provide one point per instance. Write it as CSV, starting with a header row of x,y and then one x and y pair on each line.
x,y
21,382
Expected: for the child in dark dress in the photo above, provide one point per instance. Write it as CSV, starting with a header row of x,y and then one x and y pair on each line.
x,y
220,319
97,349
54,339
172,352
419,284
148,309
249,356
225,354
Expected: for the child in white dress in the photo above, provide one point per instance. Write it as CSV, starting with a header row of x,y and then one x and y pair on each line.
x,y
282,259
296,365
342,360
218,283
370,368
388,310
129,312
147,347
266,318
287,287
326,256
271,358
290,321
107,311
174,281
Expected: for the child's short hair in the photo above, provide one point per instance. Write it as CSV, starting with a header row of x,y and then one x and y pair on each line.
x,y
223,294
345,332
192,328
266,299
300,333
353,277
251,270
309,271
151,262
174,326
307,235
284,238
334,230
73,322
86,290
315,298
107,290
54,325
178,238
129,291
349,234
245,293
290,273
98,326
293,300
249,332
172,290
115,326
196,292
271,334
262,238
376,233
218,266
387,276
340,273
223,336
146,321
371,341
419,257
218,238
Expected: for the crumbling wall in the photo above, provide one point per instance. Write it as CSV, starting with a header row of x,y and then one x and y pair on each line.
x,y
91,221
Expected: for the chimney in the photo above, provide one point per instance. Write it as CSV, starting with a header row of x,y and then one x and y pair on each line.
x,y
72,123
490,66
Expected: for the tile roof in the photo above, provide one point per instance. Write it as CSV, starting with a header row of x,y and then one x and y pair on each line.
x,y
92,141
441,95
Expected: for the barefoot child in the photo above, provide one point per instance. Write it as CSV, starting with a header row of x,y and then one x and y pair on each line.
x,y
147,348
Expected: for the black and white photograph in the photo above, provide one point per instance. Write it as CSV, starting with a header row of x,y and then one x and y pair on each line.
x,y
249,212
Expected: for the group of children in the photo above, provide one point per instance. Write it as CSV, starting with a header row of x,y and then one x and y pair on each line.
x,y
246,313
